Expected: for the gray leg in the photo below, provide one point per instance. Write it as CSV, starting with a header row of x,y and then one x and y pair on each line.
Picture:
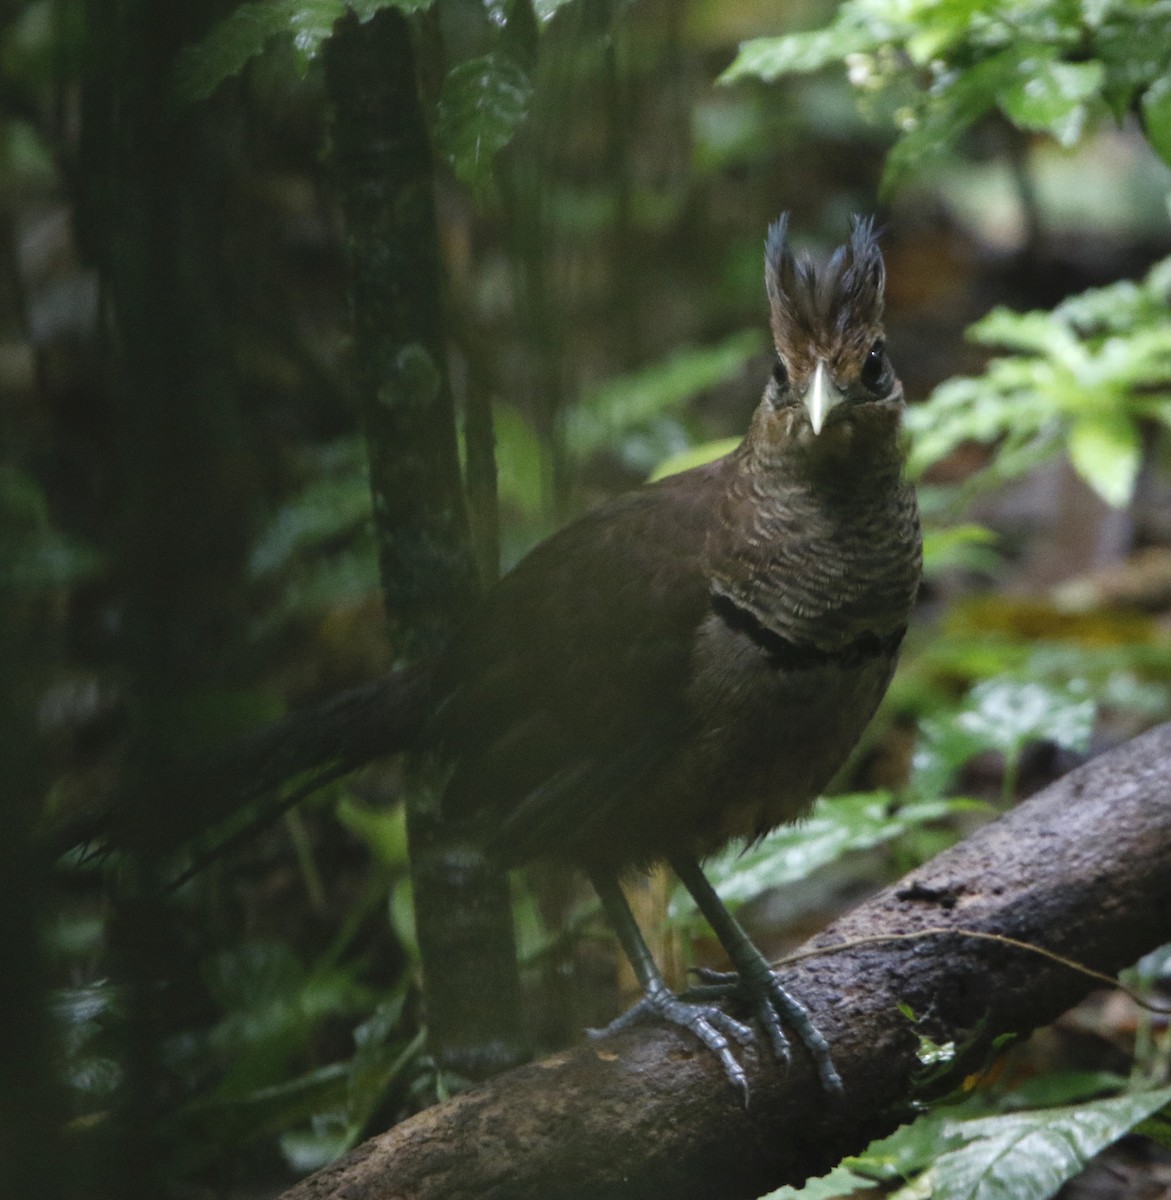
x,y
708,1022
756,980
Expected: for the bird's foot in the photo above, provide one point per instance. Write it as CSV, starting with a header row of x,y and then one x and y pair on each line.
x,y
760,988
708,1022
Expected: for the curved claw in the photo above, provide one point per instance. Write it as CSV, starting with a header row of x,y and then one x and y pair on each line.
x,y
710,1024
774,1008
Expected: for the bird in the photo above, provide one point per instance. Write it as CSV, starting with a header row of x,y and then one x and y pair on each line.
x,y
689,664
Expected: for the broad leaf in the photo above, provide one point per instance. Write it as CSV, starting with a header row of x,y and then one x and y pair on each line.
x,y
1156,113
1051,96
771,57
1028,1156
481,104
840,1182
1106,451
1005,715
837,825
245,31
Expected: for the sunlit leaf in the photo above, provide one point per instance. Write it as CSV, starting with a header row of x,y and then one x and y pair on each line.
x,y
382,829
1106,450
1051,96
695,456
520,461
771,57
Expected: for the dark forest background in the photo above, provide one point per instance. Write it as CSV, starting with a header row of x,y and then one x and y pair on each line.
x,y
263,261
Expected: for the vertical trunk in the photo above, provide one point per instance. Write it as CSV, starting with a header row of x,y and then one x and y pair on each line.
x,y
149,218
382,160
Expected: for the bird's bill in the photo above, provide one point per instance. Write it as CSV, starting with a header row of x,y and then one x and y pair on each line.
x,y
821,395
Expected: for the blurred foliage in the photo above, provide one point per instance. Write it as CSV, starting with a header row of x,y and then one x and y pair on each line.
x,y
1049,66
1084,379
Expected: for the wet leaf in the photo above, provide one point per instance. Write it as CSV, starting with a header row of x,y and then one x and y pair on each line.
x,y
481,105
243,34
1028,1156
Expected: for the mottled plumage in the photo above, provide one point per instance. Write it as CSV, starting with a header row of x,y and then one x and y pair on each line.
x,y
694,661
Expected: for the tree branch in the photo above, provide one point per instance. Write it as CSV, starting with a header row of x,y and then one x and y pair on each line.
x,y
1082,869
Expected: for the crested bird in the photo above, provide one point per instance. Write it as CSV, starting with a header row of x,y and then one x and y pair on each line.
x,y
691,663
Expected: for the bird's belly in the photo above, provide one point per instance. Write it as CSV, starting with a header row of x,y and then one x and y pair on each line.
x,y
778,768
771,739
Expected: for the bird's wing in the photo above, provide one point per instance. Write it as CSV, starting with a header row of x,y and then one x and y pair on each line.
x,y
570,686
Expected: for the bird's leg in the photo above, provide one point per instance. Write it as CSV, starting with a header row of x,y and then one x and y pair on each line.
x,y
755,979
708,1022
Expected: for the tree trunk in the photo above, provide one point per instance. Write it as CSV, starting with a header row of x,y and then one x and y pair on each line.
x,y
1082,869
382,160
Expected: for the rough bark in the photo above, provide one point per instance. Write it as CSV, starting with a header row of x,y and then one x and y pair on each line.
x,y
1081,869
383,170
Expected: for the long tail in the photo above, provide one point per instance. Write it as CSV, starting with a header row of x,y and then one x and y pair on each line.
x,y
313,745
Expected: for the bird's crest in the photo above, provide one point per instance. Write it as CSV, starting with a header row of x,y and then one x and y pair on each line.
x,y
823,306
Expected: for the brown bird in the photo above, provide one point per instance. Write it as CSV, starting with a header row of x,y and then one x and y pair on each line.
x,y
692,663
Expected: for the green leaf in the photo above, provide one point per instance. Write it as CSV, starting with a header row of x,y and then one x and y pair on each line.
x,y
520,461
960,98
1106,450
694,456
1006,714
629,402
384,830
1156,113
904,1153
1002,714
225,50
243,34
1027,331
1132,45
1157,1128
481,104
769,58
841,1181
960,547
837,825
325,510
1051,96
1028,1156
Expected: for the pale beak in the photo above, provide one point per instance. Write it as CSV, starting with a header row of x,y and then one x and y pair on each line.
x,y
820,396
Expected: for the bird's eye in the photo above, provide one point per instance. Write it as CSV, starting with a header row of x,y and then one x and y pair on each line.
x,y
780,375
874,368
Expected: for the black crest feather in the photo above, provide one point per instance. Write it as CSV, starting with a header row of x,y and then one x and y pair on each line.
x,y
811,305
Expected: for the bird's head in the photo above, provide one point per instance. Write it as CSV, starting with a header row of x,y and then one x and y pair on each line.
x,y
832,378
